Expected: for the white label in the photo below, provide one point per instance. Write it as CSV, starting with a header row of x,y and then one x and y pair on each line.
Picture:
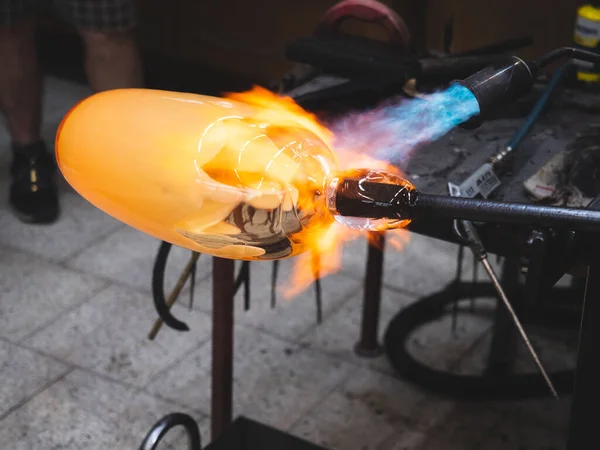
x,y
454,190
483,181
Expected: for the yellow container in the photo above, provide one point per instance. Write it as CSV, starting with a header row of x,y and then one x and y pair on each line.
x,y
587,36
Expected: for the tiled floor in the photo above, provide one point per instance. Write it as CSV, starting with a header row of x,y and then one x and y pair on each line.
x,y
78,371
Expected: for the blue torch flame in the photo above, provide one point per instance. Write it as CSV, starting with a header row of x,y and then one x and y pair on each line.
x,y
391,132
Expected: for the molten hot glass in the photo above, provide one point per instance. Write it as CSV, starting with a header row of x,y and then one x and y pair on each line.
x,y
218,176
204,173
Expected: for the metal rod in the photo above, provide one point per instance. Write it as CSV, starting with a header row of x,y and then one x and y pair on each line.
x,y
355,197
583,427
566,53
368,344
457,281
494,279
316,269
222,345
274,275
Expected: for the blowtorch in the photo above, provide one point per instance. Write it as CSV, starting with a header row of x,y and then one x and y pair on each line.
x,y
503,82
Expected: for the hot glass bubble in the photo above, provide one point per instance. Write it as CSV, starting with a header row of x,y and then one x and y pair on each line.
x,y
204,173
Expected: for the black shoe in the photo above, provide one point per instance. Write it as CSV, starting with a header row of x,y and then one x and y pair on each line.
x,y
33,190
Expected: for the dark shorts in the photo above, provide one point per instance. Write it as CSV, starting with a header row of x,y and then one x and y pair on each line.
x,y
92,15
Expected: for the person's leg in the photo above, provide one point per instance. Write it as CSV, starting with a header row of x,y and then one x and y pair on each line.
x,y
112,60
107,28
20,82
33,194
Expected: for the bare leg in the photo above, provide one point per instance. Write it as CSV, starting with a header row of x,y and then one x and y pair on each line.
x,y
112,60
20,83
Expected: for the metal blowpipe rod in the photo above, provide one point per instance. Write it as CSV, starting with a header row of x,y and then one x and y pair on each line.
x,y
359,198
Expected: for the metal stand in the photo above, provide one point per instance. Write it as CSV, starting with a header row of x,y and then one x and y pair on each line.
x,y
368,345
222,345
583,429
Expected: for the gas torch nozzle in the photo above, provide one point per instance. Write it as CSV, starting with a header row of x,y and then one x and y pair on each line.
x,y
508,80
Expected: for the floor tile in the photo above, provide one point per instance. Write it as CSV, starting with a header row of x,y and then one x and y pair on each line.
x,y
440,344
354,257
516,433
109,335
82,411
80,225
417,440
294,315
23,373
355,252
361,414
557,352
453,426
341,332
458,422
34,293
275,382
424,266
547,413
127,256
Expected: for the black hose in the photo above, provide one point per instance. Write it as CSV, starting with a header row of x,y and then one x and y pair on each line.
x,y
158,289
486,387
565,53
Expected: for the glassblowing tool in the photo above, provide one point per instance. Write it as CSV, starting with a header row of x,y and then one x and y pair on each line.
x,y
485,179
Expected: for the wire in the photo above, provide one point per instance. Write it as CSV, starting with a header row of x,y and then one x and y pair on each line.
x,y
539,106
563,53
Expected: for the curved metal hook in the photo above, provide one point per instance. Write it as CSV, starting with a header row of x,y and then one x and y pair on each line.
x,y
164,425
163,305
160,302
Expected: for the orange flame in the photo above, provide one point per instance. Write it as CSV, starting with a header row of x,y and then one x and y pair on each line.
x,y
325,242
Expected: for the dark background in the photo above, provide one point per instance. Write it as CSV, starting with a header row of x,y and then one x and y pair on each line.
x,y
214,45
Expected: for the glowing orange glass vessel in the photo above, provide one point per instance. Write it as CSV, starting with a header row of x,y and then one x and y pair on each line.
x,y
209,174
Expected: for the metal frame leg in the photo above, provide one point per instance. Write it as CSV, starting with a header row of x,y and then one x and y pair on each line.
x,y
368,345
222,345
583,428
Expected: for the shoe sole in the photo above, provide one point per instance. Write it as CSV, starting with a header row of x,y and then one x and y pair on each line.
x,y
33,220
